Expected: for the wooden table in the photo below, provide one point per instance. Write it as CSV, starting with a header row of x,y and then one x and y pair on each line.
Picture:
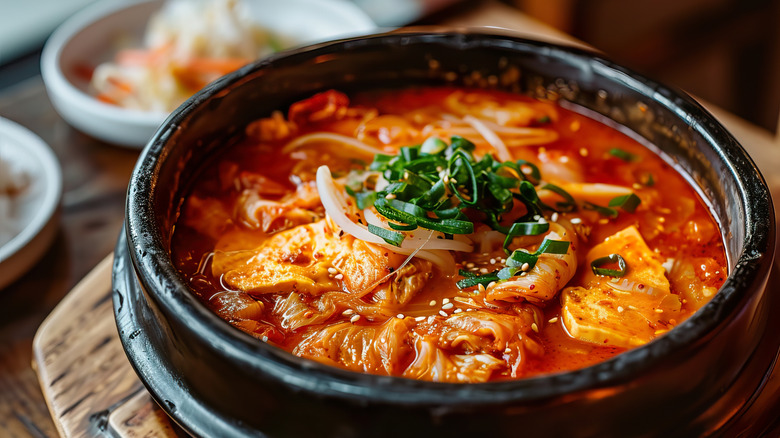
x,y
96,176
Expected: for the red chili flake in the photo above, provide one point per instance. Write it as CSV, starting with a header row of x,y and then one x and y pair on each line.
x,y
532,287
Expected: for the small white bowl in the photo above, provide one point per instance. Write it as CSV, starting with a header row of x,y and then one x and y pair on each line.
x,y
36,207
90,37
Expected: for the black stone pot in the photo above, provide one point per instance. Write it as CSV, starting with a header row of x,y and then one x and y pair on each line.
x,y
214,380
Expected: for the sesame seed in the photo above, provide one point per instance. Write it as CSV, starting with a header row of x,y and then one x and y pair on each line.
x,y
400,316
537,217
525,267
442,313
390,196
503,260
348,312
339,276
534,327
492,261
419,318
554,217
458,310
354,318
332,271
583,152
508,350
491,284
483,271
448,306
446,179
469,309
564,159
453,180
439,168
432,303
445,301
620,309
481,287
659,310
553,320
469,265
265,338
637,186
575,220
603,221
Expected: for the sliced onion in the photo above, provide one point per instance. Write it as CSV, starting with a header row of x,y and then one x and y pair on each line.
x,y
354,144
422,238
336,208
490,136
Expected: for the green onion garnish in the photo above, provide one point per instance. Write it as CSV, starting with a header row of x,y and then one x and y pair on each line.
x,y
475,280
628,203
623,155
392,237
596,266
519,258
604,211
568,205
524,229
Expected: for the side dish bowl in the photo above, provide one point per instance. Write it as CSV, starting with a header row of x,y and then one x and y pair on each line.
x,y
93,36
217,381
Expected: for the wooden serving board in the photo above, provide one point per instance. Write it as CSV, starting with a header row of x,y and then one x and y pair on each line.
x,y
86,379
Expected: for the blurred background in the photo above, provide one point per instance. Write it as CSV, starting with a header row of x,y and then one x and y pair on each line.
x,y
724,51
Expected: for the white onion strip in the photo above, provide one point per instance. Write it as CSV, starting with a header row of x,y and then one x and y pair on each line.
x,y
353,143
336,207
490,136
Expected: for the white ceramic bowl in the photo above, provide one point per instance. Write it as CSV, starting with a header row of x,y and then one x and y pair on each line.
x,y
90,37
36,208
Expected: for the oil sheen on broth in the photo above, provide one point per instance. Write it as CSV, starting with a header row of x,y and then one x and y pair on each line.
x,y
446,234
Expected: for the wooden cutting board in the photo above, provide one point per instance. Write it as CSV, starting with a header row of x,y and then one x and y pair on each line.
x,y
86,379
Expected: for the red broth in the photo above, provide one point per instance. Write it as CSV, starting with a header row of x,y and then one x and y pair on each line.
x,y
240,241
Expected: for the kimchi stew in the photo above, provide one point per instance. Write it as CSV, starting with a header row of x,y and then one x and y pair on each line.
x,y
446,234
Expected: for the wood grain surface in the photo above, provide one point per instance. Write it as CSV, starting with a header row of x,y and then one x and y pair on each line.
x,y
95,178
86,379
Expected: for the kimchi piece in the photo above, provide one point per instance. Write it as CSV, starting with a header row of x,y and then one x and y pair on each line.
x,y
446,234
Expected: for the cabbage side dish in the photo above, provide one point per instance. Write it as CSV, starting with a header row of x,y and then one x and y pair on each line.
x,y
187,44
446,234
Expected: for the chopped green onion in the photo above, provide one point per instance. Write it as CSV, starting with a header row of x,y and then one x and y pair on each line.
x,y
604,211
410,153
458,142
524,229
467,274
596,266
534,171
433,145
628,203
402,227
380,161
543,120
519,257
392,237
477,280
365,199
623,155
569,204
550,246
